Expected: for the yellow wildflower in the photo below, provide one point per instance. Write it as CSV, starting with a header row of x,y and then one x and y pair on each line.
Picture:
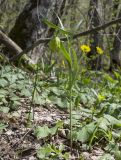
x,y
85,48
99,50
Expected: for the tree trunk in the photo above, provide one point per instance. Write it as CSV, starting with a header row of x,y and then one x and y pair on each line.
x,y
9,11
95,38
115,53
29,26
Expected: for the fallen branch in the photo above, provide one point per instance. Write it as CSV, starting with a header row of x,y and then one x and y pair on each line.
x,y
16,50
11,45
46,40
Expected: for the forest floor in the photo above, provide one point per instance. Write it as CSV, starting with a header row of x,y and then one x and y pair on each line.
x,y
19,142
36,125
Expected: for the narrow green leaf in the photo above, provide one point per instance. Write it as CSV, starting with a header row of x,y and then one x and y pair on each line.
x,y
75,59
50,24
66,54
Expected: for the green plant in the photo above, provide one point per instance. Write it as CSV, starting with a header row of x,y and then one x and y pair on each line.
x,y
69,55
53,152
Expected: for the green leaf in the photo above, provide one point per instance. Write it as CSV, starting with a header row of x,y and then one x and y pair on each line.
x,y
43,152
113,120
42,132
106,157
118,155
3,92
66,54
16,103
4,109
103,123
2,96
109,78
86,132
117,75
50,24
39,100
53,130
26,92
20,76
3,82
12,79
75,62
62,103
14,98
56,91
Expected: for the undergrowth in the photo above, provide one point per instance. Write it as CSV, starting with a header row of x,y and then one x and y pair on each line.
x,y
96,109
91,100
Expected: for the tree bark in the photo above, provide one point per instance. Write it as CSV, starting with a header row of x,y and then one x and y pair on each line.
x,y
95,38
115,53
29,26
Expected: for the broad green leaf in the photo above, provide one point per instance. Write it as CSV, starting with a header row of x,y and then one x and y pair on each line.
x,y
118,155
20,76
59,124
53,130
43,152
39,100
106,157
3,92
26,92
62,103
42,132
13,79
4,109
113,120
3,82
86,132
2,96
56,91
14,98
103,123
112,147
16,103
